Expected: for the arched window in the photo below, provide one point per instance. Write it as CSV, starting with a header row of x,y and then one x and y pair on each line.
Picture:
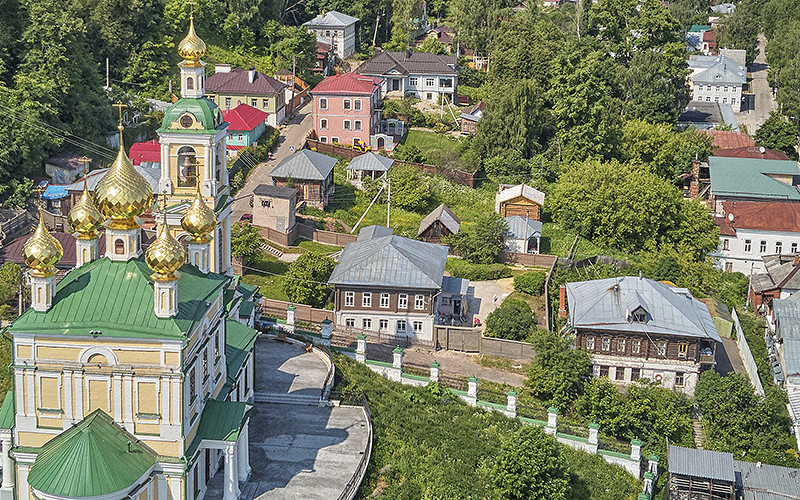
x,y
39,295
163,300
119,246
189,83
85,253
187,167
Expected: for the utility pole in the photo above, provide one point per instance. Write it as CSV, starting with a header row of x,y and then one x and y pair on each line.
x,y
108,77
388,198
294,70
375,35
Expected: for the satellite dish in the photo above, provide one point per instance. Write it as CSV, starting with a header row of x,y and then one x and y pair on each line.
x,y
762,149
730,216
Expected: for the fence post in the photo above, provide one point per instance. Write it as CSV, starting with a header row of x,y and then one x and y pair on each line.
x,y
552,421
397,364
511,404
326,332
652,464
361,348
594,429
291,315
636,449
434,372
472,391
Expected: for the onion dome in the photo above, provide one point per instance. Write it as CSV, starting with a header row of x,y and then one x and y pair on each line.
x,y
84,216
42,251
199,220
192,48
123,193
165,255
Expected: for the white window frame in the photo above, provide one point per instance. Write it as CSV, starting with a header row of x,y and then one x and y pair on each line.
x,y
430,82
748,246
778,247
417,327
401,326
323,124
323,103
590,342
366,323
346,104
350,322
366,299
335,139
357,125
419,302
413,81
346,125
383,325
605,344
357,104
385,301
349,299
636,346
402,301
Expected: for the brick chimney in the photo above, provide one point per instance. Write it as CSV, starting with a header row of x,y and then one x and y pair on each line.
x,y
562,301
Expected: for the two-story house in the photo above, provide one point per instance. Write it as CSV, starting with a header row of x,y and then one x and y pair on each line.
x,y
780,280
229,87
749,179
784,347
347,110
749,230
422,75
246,124
635,328
335,29
717,79
309,172
393,285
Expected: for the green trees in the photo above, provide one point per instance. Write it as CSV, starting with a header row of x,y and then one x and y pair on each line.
x,y
779,134
306,280
740,30
245,240
667,153
558,372
654,84
530,467
481,241
409,189
513,320
433,46
531,282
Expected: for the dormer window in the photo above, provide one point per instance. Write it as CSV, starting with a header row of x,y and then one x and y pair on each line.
x,y
639,315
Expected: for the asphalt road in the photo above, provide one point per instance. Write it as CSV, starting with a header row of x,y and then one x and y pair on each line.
x,y
758,85
293,135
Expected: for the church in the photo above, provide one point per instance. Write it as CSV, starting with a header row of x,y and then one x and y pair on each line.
x,y
132,376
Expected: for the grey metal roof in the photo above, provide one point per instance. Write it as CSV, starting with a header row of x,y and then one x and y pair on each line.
x,y
442,214
717,70
606,305
522,228
152,174
331,19
306,165
766,482
370,232
370,161
455,285
787,317
403,63
701,463
274,191
782,271
379,259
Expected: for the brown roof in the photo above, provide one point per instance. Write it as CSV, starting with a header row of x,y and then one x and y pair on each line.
x,y
238,82
751,152
13,251
416,63
726,139
759,215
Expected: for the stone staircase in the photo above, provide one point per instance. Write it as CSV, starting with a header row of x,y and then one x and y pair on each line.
x,y
270,249
289,399
699,435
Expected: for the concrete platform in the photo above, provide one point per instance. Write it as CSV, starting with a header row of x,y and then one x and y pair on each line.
x,y
287,369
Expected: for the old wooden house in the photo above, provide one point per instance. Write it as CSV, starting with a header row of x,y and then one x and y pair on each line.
x,y
522,200
438,224
309,172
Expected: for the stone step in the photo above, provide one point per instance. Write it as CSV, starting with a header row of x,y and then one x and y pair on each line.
x,y
699,435
270,249
298,399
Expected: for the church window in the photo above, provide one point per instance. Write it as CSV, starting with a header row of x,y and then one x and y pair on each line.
x,y
39,294
216,346
205,364
192,386
227,102
190,83
187,167
163,300
119,246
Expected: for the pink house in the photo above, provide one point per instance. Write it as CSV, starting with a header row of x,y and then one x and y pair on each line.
x,y
347,110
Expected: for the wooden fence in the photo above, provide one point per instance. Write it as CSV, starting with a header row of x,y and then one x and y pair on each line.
x,y
528,259
454,338
277,309
307,232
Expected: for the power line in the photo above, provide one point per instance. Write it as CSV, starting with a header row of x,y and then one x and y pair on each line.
x,y
284,276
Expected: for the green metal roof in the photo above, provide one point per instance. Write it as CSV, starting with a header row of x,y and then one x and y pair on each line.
x,y
749,178
699,28
95,457
204,111
239,341
7,412
116,298
221,421
246,308
248,290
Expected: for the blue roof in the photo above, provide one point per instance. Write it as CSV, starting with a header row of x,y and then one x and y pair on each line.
x,y
55,192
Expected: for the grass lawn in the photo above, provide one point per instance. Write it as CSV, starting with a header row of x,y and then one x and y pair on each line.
x,y
429,140
271,286
313,246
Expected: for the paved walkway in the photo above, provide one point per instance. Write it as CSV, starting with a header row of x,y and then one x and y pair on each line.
x,y
293,135
728,358
287,369
754,118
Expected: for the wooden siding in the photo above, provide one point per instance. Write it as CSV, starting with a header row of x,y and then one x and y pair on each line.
x,y
648,345
435,232
522,207
376,299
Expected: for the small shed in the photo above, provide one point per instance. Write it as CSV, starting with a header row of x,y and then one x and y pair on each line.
x,y
310,172
470,117
523,235
274,207
441,222
370,165
721,316
64,169
700,474
522,200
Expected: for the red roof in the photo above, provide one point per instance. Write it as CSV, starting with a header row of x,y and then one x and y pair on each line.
x,y
709,36
348,83
149,151
751,152
759,215
244,117
727,139
323,48
235,148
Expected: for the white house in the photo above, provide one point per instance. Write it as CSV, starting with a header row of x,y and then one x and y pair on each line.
x,y
749,230
717,79
523,234
336,29
422,75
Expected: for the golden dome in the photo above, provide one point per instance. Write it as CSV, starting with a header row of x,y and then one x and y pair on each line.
x,y
199,220
165,255
84,216
192,48
42,251
123,193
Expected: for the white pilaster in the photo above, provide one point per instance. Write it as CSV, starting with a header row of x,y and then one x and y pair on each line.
x,y
128,407
42,291
78,386
165,298
123,244
8,465
86,250
117,388
231,482
68,396
198,256
195,73
243,460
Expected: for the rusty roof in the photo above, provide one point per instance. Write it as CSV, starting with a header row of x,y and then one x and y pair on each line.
x,y
759,215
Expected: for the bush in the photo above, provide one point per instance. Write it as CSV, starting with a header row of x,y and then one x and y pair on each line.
x,y
477,272
531,283
513,320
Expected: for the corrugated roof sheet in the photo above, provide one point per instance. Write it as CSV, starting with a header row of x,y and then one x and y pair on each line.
x,y
701,463
442,214
522,228
787,317
149,151
371,162
237,81
767,482
417,63
523,190
725,139
348,83
331,18
762,215
455,285
750,178
751,152
389,260
606,304
305,165
96,457
244,117
7,411
276,191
